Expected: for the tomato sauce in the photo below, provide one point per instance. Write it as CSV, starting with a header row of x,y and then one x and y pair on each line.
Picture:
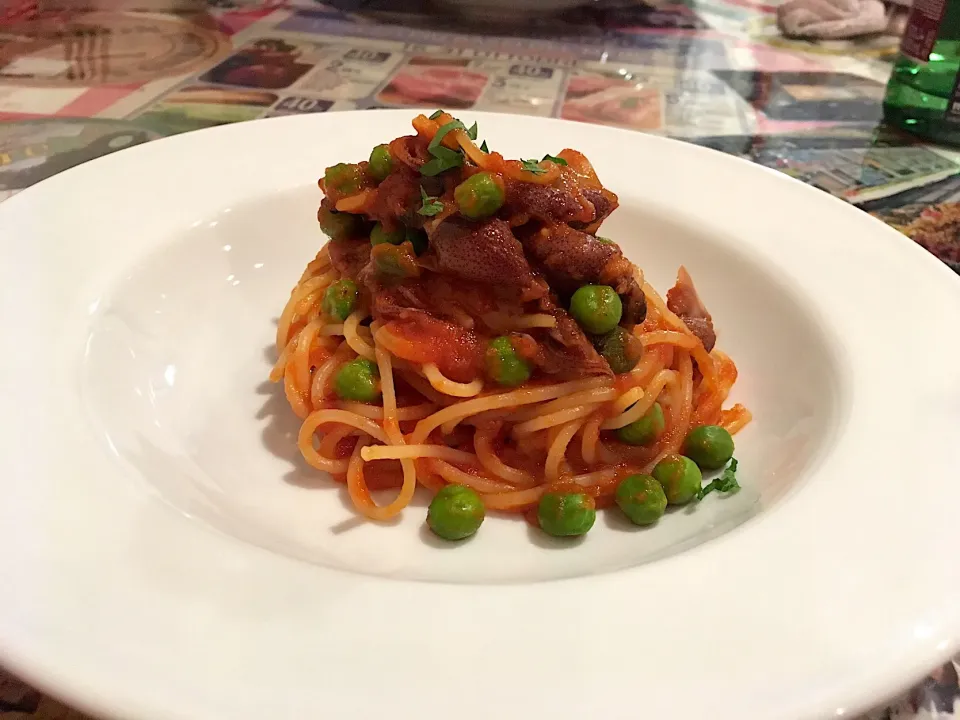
x,y
457,352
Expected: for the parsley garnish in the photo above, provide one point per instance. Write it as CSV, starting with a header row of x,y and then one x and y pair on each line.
x,y
726,483
472,132
605,240
483,146
442,133
533,166
443,157
431,205
437,114
554,159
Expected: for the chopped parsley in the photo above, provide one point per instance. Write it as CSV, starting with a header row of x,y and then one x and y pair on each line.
x,y
605,240
443,132
431,205
554,159
443,157
533,166
483,146
726,483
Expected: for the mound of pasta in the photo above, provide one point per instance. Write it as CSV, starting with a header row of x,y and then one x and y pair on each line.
x,y
465,329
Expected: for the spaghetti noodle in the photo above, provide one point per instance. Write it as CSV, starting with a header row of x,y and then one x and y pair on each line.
x,y
437,338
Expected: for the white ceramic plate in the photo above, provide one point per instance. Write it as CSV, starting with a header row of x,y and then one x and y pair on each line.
x,y
167,555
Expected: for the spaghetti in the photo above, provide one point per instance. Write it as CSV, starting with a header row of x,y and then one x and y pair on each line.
x,y
447,332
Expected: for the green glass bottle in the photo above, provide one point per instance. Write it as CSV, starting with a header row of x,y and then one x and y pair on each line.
x,y
923,95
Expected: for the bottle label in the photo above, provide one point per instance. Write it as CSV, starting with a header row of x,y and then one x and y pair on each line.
x,y
922,28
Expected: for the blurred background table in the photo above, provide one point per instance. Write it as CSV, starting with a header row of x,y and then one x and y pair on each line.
x,y
78,81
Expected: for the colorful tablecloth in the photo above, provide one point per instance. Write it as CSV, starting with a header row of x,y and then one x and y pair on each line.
x,y
76,83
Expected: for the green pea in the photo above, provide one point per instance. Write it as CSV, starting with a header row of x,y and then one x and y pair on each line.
x,y
679,477
597,308
358,380
621,349
709,446
645,430
338,225
479,196
379,236
504,365
394,263
641,498
455,512
381,164
418,238
344,178
340,299
566,514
